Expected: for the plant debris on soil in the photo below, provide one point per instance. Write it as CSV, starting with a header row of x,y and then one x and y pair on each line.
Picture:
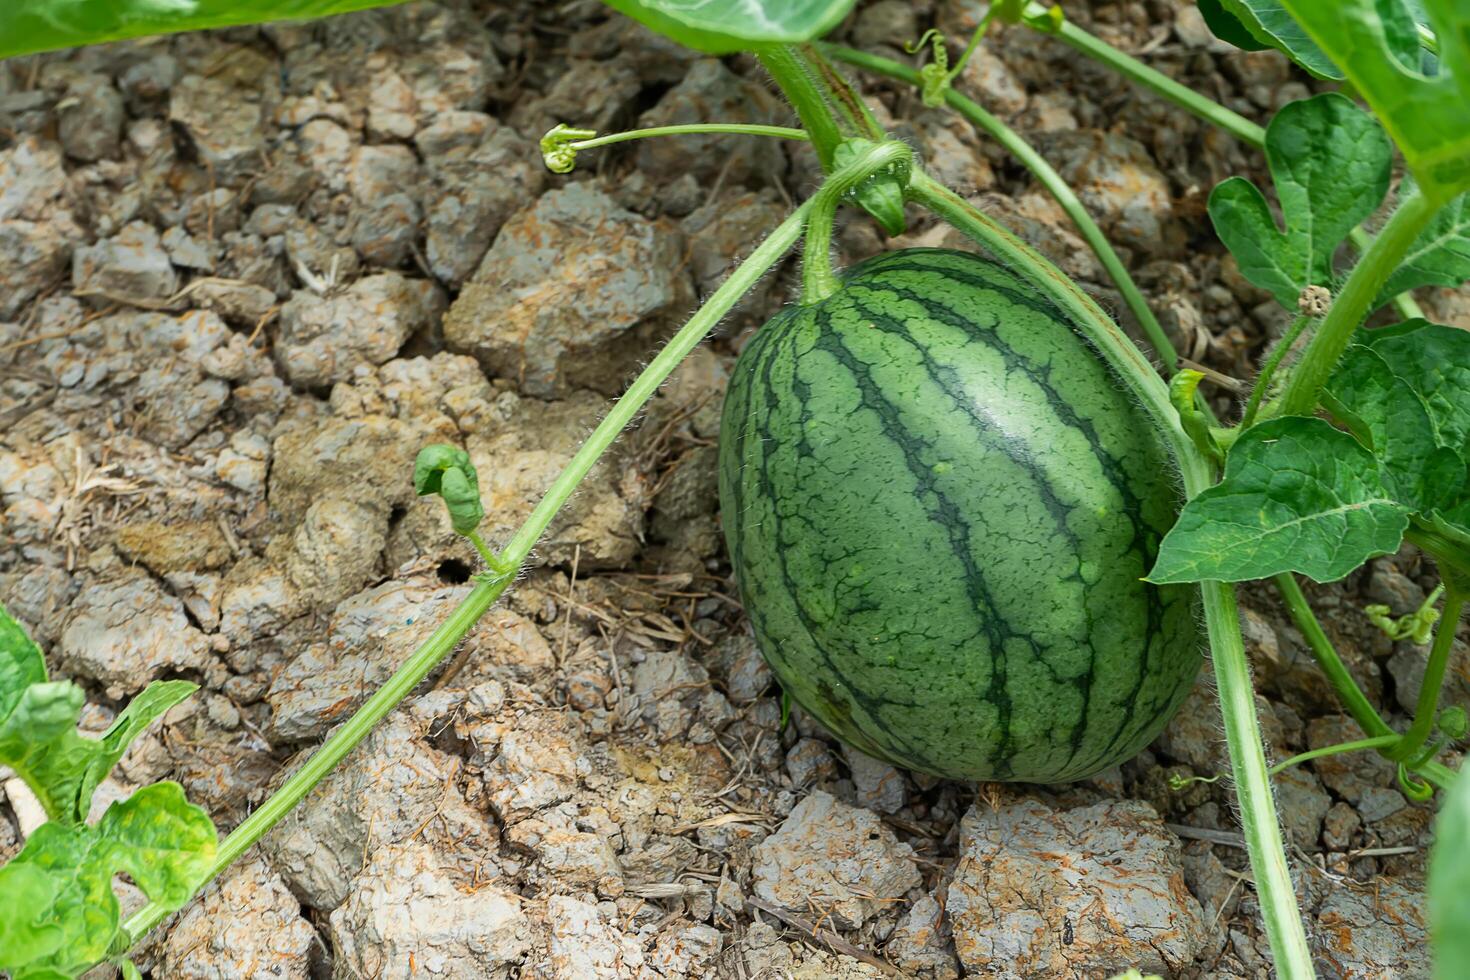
x,y
245,275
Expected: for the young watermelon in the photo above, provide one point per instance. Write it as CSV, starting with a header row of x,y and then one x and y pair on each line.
x,y
940,508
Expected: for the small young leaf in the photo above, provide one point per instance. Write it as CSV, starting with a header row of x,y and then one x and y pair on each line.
x,y
1449,880
1439,257
448,472
1330,163
1424,114
38,727
1299,496
728,26
1271,26
163,842
1420,471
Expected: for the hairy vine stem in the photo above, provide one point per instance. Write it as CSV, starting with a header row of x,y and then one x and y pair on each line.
x,y
1059,189
1353,304
1262,833
817,278
490,587
1205,108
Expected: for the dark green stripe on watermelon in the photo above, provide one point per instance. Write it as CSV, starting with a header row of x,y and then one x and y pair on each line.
x,y
940,506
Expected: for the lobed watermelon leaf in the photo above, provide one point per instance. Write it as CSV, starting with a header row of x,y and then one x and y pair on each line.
x,y
27,26
38,727
1424,113
1297,496
1269,25
1440,256
63,879
728,26
1330,163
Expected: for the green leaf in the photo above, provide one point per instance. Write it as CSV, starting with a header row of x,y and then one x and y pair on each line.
x,y
1424,114
27,932
27,26
1421,472
1228,27
1449,881
1435,361
163,842
728,26
1330,164
1271,26
1297,496
1439,257
21,663
38,727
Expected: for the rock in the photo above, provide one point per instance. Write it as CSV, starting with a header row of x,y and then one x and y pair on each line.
x,y
809,763
32,180
1341,823
132,265
685,950
367,460
747,675
186,546
1380,802
1090,891
382,796
1303,805
1406,667
409,915
384,181
666,685
241,303
173,401
256,601
336,549
31,255
322,339
124,632
585,947
829,858
921,943
1217,891
711,91
1374,932
574,292
997,88
887,23
1392,588
1119,183
223,112
474,189
1349,775
529,763
722,233
90,119
244,924
371,635
879,786
521,453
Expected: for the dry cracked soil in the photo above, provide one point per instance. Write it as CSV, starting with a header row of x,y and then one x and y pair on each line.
x,y
245,275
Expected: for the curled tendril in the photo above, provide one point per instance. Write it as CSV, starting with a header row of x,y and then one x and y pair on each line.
x,y
1417,626
557,151
1414,788
913,47
448,472
1181,395
1178,782
936,74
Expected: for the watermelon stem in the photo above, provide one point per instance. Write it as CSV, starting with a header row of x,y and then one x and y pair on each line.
x,y
1047,176
490,587
1353,304
818,281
